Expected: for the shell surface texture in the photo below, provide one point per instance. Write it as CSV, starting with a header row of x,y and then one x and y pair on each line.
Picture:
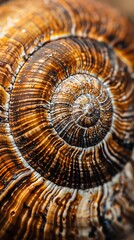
x,y
66,121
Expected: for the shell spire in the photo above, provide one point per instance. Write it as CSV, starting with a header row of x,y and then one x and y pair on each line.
x,y
66,121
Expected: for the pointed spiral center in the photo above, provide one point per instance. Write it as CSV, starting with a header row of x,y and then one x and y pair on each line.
x,y
64,114
81,110
86,110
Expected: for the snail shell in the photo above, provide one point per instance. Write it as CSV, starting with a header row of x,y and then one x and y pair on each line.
x,y
66,121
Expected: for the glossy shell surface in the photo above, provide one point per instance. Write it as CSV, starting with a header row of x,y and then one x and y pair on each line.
x,y
66,121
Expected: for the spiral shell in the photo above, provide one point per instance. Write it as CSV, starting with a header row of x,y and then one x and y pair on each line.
x,y
66,121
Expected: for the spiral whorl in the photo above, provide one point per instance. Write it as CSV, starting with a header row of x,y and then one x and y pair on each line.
x,y
66,120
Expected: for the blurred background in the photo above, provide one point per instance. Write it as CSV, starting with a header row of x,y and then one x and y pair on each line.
x,y
127,9
124,6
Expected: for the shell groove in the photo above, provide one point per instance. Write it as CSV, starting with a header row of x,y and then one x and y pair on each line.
x,y
66,121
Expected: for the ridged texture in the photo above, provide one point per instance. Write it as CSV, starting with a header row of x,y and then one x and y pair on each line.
x,y
66,121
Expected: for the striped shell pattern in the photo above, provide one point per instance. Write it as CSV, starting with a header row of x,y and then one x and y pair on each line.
x,y
66,121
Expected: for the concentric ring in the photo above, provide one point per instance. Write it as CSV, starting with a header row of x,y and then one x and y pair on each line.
x,y
80,106
45,166
50,119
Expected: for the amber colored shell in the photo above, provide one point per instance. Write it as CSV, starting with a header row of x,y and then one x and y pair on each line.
x,y
66,121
